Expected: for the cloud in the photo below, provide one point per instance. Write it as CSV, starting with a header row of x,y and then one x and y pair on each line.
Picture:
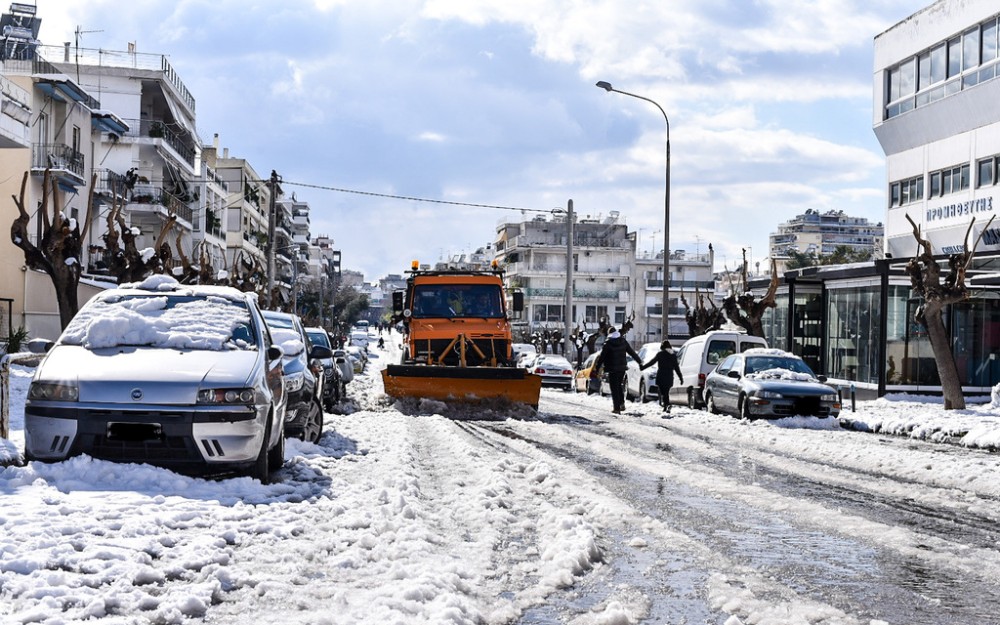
x,y
769,104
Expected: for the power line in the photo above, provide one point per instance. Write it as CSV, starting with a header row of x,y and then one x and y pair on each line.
x,y
411,198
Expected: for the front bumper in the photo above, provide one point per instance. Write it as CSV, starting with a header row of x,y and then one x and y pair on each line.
x,y
187,439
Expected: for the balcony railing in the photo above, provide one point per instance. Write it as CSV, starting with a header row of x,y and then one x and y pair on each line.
x,y
577,293
157,129
147,194
111,183
58,157
112,58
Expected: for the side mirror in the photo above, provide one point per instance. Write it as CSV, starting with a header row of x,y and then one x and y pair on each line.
x,y
39,346
733,373
275,352
518,301
821,378
397,302
321,352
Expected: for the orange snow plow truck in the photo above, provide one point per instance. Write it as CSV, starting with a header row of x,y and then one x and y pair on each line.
x,y
457,339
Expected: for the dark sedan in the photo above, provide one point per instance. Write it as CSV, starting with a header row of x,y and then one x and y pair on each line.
x,y
768,383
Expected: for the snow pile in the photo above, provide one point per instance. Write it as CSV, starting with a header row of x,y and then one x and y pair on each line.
x,y
781,374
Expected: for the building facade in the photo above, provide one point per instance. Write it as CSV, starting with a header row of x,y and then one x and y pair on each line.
x,y
820,234
935,115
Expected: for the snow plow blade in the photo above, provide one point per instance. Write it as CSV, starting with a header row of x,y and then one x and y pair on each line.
x,y
462,383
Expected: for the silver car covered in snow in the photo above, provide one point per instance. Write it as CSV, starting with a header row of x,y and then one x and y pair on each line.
x,y
183,377
769,383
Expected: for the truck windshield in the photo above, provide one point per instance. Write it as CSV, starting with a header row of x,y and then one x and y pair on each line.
x,y
456,300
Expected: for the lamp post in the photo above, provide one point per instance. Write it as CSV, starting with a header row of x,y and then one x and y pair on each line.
x,y
666,205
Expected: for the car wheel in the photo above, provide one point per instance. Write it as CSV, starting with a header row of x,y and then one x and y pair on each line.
x,y
745,408
642,392
692,399
314,424
261,468
710,403
276,457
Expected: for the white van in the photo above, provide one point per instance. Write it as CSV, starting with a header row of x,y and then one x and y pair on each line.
x,y
700,354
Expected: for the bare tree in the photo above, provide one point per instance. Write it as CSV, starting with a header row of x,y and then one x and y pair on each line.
x,y
744,309
702,320
925,277
127,262
59,248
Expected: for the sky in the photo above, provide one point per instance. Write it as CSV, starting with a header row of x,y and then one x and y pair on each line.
x,y
494,103
359,529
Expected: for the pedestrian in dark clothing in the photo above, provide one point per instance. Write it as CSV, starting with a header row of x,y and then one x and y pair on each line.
x,y
666,364
614,358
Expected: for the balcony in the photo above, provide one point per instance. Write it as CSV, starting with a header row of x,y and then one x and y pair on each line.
x,y
65,163
158,129
111,184
15,120
144,194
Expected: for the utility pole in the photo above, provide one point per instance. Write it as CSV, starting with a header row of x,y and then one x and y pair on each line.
x,y
272,184
569,278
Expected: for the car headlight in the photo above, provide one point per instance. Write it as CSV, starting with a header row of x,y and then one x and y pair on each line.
x,y
227,396
769,395
53,391
828,397
294,381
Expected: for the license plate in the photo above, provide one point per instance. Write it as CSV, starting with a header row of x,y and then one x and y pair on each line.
x,y
134,431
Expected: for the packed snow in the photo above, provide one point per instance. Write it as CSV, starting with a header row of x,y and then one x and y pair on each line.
x,y
392,518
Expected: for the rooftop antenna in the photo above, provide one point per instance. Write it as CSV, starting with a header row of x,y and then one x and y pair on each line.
x,y
77,34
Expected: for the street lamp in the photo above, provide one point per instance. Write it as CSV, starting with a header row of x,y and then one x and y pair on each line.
x,y
666,203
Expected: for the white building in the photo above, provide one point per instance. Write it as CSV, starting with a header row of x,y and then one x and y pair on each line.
x,y
936,116
534,256
820,234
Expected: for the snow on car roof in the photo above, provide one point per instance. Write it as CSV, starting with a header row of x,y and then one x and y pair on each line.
x,y
183,317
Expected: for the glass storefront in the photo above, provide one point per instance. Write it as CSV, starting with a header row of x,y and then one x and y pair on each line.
x,y
852,334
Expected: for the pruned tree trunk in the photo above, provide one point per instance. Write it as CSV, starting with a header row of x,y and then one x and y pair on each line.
x,y
59,250
744,309
702,320
925,277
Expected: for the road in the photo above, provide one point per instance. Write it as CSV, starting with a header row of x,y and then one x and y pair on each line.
x,y
420,512
795,515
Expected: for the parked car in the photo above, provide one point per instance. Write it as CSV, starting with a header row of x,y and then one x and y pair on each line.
x,y
769,383
332,383
178,376
554,371
582,381
699,355
358,357
517,350
346,369
641,385
359,338
303,375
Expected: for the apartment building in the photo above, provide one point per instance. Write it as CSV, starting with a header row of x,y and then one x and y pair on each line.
x,y
534,256
820,234
51,122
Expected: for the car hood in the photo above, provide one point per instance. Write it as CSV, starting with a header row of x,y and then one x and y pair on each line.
x,y
792,387
165,376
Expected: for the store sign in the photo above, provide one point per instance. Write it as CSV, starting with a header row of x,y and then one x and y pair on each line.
x,y
961,209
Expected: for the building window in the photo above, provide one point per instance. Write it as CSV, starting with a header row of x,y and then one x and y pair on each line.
x,y
906,191
943,69
986,172
953,180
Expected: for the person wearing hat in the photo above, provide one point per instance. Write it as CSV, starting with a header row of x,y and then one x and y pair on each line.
x,y
613,358
666,364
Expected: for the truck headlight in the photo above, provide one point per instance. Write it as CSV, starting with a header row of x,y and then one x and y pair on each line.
x,y
53,391
227,396
828,397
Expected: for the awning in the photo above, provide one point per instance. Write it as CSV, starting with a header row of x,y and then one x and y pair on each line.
x,y
180,118
108,122
61,83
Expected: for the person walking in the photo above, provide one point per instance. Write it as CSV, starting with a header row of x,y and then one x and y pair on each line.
x,y
613,358
666,364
